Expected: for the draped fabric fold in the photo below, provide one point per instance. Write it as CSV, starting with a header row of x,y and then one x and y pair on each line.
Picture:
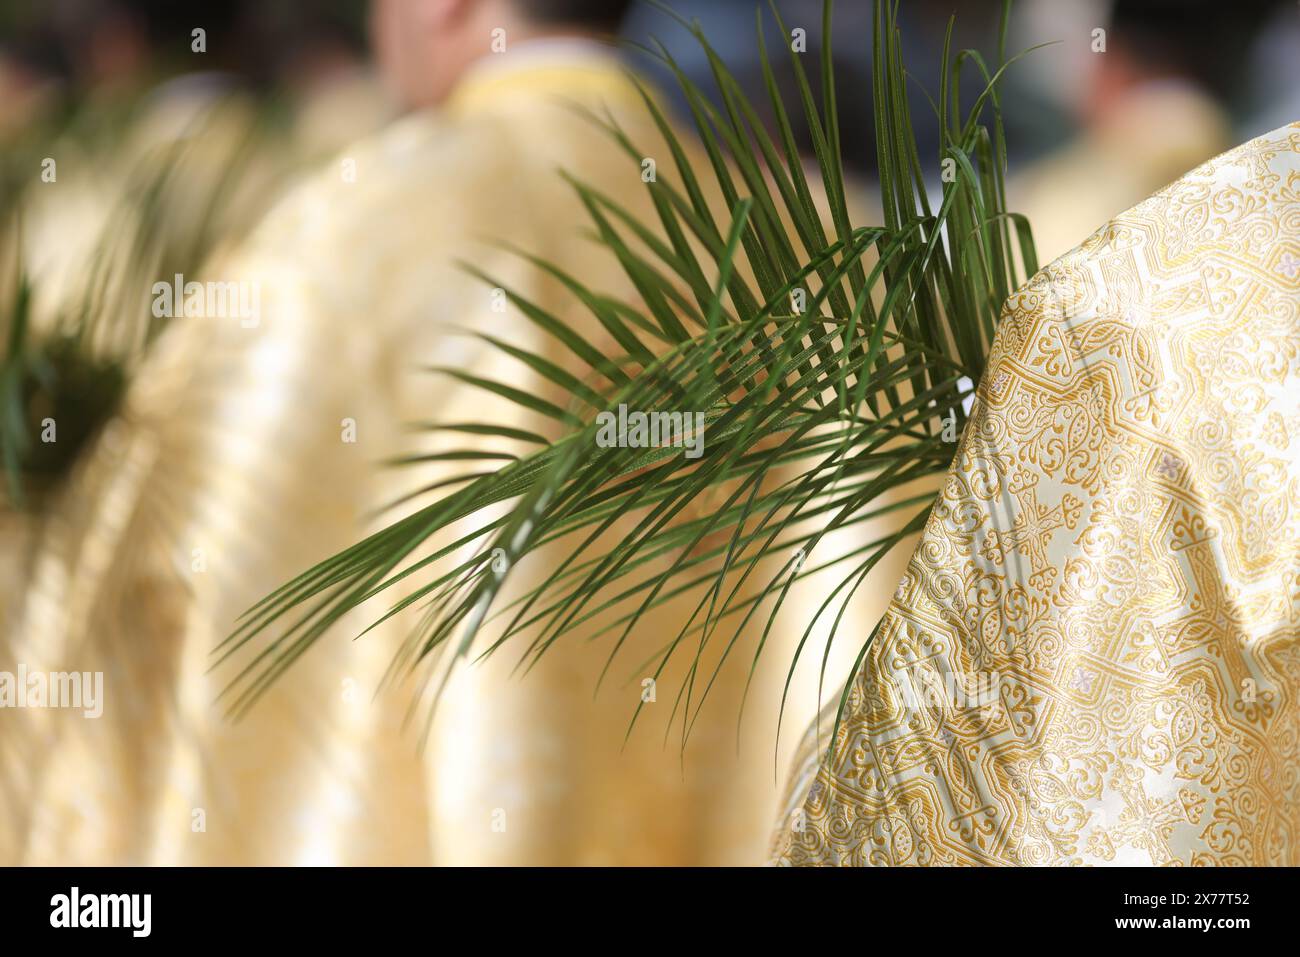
x,y
250,449
1094,655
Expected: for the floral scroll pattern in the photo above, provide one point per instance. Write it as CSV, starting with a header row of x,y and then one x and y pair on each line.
x,y
1119,543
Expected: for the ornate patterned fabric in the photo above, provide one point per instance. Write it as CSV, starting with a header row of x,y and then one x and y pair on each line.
x,y
1093,656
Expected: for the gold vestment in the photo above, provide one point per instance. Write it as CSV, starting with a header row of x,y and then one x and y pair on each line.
x,y
249,450
1107,593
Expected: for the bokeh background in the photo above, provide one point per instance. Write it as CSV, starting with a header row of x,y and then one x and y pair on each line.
x,y
116,90
1233,70
1088,134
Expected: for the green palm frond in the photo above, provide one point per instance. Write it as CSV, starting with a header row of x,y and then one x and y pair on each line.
x,y
812,416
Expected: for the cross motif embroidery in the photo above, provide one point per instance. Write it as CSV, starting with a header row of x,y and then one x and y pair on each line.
x,y
1214,620
1144,822
1032,529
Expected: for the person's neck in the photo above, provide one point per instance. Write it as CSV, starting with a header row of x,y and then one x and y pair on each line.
x,y
541,47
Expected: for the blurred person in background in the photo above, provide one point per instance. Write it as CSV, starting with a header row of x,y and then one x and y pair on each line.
x,y
1157,92
132,154
249,447
129,87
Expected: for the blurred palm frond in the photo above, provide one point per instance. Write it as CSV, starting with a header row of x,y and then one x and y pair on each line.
x,y
63,375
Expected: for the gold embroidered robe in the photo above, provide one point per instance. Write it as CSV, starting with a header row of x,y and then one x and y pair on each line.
x,y
1107,593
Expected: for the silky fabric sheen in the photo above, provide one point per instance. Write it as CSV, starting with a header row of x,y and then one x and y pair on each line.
x,y
248,451
1107,593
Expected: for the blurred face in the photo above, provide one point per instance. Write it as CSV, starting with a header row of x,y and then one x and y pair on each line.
x,y
423,45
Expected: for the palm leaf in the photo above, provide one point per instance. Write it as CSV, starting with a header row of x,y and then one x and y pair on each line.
x,y
74,366
812,417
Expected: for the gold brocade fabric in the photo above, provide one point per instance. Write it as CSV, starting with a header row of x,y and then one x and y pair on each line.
x,y
1093,655
249,450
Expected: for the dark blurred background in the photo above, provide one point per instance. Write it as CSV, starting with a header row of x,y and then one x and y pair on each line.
x,y
1111,100
1243,56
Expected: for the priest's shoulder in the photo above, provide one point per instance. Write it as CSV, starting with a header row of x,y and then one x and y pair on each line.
x,y
418,168
1229,213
